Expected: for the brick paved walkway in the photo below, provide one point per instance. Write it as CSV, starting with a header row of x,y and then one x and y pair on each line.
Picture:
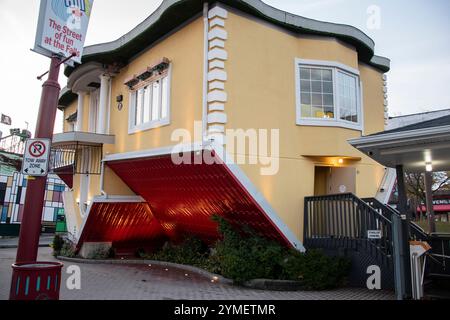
x,y
136,282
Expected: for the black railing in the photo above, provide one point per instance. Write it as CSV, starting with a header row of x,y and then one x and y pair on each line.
x,y
416,232
76,158
345,221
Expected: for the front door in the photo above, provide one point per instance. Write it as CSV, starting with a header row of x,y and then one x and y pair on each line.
x,y
342,180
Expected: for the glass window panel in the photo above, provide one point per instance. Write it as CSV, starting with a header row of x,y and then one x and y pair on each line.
x,y
305,73
139,106
347,90
327,87
328,99
316,86
316,99
165,98
305,86
329,112
306,98
317,112
306,111
147,105
316,74
327,75
155,100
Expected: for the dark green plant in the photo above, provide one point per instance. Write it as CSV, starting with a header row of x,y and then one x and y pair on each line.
x,y
243,255
192,251
315,270
57,245
68,250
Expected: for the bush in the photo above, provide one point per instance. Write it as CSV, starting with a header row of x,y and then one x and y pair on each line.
x,y
315,270
243,255
191,251
68,250
57,245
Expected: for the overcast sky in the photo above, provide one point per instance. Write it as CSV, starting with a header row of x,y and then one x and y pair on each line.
x,y
414,34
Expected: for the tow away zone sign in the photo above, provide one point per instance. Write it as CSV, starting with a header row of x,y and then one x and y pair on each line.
x,y
36,157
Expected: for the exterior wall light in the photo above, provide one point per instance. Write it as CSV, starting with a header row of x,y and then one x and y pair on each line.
x,y
429,167
119,100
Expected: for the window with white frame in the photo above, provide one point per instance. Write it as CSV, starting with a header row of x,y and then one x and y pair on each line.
x,y
328,94
149,104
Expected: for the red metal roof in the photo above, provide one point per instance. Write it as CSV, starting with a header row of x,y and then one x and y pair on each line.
x,y
126,225
183,198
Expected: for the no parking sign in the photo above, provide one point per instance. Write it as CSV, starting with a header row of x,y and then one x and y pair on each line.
x,y
36,157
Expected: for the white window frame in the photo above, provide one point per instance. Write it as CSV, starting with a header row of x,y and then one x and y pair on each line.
x,y
132,128
336,121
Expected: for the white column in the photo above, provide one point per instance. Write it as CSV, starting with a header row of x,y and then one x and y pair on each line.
x,y
80,107
103,103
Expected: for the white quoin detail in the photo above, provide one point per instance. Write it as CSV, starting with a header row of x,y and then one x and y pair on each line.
x,y
217,33
217,85
216,129
218,12
216,106
217,43
216,95
217,117
217,22
215,75
219,64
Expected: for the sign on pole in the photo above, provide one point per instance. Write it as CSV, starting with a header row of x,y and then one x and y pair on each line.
x,y
36,157
374,234
62,27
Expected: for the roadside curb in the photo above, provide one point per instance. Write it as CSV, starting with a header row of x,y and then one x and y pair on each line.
x,y
15,246
215,277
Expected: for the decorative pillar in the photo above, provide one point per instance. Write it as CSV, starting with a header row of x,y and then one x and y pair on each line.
x,y
429,200
80,107
103,103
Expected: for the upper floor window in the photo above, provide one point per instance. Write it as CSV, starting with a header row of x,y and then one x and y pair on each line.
x,y
328,94
149,104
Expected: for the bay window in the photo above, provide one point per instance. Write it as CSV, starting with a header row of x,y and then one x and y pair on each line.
x,y
328,94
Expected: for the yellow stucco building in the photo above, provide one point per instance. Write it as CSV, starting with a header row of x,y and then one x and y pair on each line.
x,y
274,95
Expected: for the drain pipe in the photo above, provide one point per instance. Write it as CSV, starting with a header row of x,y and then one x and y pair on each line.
x,y
205,70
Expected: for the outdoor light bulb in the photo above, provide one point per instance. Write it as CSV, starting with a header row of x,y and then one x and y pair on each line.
x,y
429,167
341,161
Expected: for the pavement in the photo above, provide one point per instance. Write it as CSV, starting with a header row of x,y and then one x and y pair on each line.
x,y
144,282
44,241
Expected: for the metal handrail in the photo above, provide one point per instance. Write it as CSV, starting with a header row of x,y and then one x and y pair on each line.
x,y
343,221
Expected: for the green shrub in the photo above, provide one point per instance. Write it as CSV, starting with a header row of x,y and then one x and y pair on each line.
x,y
315,270
67,250
191,251
57,245
242,255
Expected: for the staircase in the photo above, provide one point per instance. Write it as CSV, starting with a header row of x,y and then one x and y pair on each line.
x,y
339,224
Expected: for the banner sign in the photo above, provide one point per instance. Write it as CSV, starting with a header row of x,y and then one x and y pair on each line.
x,y
62,27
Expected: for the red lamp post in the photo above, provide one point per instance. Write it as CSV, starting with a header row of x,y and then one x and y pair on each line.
x,y
33,280
34,200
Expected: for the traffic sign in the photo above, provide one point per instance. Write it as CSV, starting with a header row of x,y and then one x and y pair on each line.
x,y
36,157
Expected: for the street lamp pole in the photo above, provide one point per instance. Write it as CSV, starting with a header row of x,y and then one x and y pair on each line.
x,y
30,228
